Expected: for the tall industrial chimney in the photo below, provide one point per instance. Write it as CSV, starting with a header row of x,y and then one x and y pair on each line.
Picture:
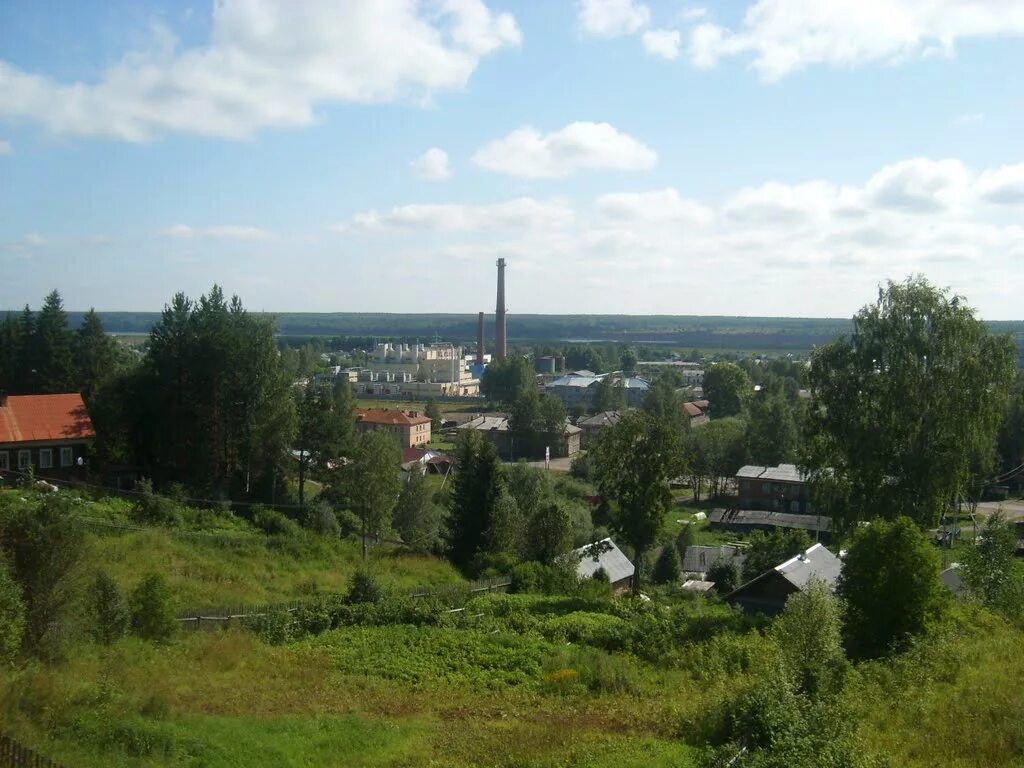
x,y
499,314
480,339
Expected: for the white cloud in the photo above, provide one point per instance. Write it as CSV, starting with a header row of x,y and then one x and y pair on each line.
x,y
969,118
662,42
920,185
659,206
1003,185
785,36
5,147
527,153
222,232
432,165
268,63
612,18
523,213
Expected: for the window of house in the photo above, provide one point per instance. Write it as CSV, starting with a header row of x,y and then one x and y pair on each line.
x,y
5,460
45,458
24,459
66,457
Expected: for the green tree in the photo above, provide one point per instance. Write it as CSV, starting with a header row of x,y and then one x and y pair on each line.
x,y
890,585
476,488
416,519
373,483
27,380
503,381
714,453
628,361
768,550
506,532
95,355
664,404
726,387
635,460
667,568
989,567
10,347
609,395
889,417
531,487
433,411
52,342
809,634
550,534
772,436
42,547
152,609
108,608
325,432
726,576
686,538
12,616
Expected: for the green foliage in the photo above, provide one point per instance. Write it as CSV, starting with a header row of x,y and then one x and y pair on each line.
x,y
108,609
714,453
12,616
772,436
323,521
325,429
809,635
726,576
364,588
274,523
609,395
635,460
505,535
537,423
152,508
685,539
890,586
477,486
768,550
988,568
890,418
663,404
416,519
42,546
727,387
503,381
372,483
667,568
549,534
433,412
152,609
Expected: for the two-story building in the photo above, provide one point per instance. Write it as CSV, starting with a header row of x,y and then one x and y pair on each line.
x,y
49,433
411,429
782,488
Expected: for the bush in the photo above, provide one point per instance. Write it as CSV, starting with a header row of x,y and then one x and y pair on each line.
x,y
274,523
686,538
364,588
12,616
667,569
152,609
152,508
110,615
808,633
323,521
725,574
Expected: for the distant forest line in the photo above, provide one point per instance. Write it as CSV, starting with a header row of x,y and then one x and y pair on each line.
x,y
784,334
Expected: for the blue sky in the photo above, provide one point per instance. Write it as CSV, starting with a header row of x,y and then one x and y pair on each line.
x,y
776,157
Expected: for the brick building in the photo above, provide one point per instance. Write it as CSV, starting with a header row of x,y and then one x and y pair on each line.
x,y
412,429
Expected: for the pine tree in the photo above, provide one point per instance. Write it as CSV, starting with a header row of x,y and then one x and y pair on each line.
x,y
52,341
476,488
95,355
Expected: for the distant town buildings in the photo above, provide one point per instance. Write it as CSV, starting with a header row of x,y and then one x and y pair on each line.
x,y
412,429
579,388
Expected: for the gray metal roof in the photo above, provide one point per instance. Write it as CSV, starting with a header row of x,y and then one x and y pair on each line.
x,y
575,381
500,424
759,517
614,562
603,419
700,559
784,473
816,563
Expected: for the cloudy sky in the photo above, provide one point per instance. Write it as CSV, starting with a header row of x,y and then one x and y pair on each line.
x,y
774,157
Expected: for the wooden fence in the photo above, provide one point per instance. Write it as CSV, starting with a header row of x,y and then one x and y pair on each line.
x,y
210,618
16,755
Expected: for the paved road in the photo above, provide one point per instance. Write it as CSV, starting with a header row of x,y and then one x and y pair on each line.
x,y
1012,508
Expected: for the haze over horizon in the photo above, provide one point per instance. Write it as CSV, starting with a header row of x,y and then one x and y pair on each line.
x,y
772,158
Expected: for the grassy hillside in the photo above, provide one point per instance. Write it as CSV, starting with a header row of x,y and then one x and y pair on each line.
x,y
583,679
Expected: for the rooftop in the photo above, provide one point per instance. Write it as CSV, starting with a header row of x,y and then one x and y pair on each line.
x,y
39,418
614,562
784,473
390,416
603,419
756,517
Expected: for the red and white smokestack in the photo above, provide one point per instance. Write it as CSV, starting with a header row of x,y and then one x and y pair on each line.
x,y
480,339
500,336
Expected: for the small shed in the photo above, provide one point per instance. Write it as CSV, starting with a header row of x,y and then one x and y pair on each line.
x,y
768,592
605,554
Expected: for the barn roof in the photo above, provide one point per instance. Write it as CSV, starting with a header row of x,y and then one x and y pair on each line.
x,y
40,418
614,562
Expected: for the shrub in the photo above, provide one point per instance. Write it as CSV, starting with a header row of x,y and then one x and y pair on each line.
x,y
109,611
600,575
686,538
725,574
12,616
667,568
152,508
527,577
273,523
323,521
152,609
364,588
808,633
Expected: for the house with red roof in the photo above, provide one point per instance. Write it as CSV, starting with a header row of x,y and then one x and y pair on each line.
x,y
50,433
412,429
